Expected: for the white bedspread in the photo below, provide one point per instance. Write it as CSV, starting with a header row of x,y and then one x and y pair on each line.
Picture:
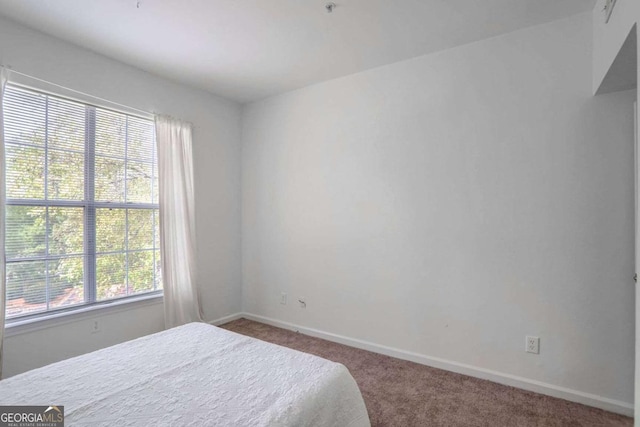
x,y
194,375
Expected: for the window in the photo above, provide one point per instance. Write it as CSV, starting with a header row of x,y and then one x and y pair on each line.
x,y
82,204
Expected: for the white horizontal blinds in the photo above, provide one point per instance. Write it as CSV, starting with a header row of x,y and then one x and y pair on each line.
x,y
82,212
141,162
127,256
45,164
110,156
65,149
127,253
25,130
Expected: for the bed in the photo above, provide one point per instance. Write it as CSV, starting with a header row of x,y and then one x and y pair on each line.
x,y
194,375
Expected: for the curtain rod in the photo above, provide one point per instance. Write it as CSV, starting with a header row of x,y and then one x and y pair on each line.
x,y
11,70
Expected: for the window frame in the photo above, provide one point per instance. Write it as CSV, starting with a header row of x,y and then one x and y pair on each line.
x,y
90,208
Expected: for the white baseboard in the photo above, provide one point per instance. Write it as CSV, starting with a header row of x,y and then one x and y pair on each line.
x,y
226,319
589,399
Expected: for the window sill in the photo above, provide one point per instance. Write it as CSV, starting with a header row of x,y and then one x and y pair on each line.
x,y
22,326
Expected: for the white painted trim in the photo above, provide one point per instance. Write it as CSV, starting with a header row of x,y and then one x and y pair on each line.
x,y
226,319
23,326
589,399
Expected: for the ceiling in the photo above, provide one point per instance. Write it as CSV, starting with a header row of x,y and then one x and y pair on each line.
x,y
246,50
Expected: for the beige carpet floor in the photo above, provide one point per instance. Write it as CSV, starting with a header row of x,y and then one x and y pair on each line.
x,y
401,393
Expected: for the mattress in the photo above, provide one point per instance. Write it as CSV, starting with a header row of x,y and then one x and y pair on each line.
x,y
194,375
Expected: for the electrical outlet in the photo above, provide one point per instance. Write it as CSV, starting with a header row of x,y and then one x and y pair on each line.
x,y
95,327
283,298
532,345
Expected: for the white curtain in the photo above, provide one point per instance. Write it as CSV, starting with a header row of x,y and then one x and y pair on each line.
x,y
177,222
3,294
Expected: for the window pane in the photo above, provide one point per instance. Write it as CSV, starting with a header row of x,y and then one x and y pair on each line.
x,y
140,139
66,175
155,195
25,172
111,276
66,124
158,271
66,231
24,116
110,133
140,271
46,141
66,285
156,224
139,182
141,229
25,231
26,287
109,180
110,230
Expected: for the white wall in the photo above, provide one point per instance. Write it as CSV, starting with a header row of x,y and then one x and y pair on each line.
x,y
217,179
73,336
608,40
637,267
451,204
